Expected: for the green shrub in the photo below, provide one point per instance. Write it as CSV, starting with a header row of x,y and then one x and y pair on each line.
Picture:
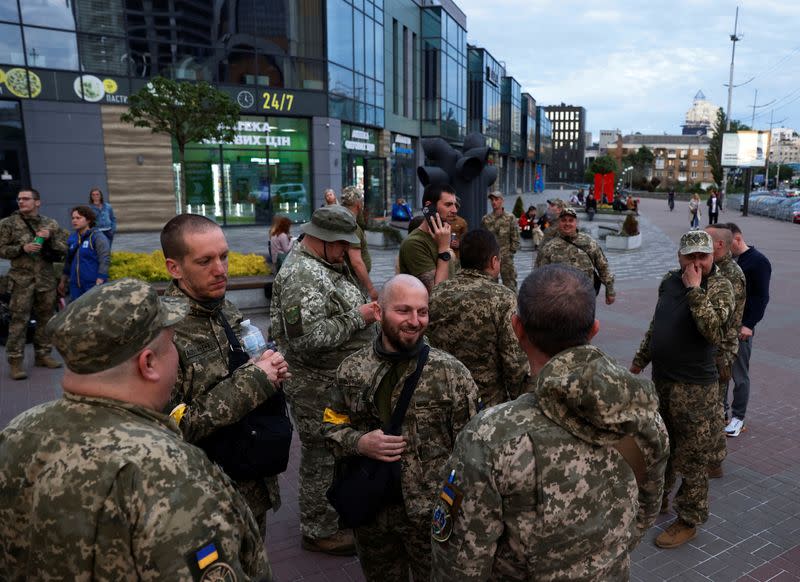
x,y
519,208
151,267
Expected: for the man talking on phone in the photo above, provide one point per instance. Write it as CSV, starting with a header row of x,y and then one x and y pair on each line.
x,y
425,252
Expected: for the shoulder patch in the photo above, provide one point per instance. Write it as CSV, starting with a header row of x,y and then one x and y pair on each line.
x,y
208,563
293,321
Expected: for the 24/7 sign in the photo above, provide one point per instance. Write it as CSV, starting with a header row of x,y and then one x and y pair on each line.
x,y
279,101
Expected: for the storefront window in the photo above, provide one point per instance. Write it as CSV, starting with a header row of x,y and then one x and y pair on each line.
x,y
404,169
265,171
362,167
51,49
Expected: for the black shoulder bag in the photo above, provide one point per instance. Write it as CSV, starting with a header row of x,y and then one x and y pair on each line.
x,y
48,253
362,486
597,281
257,445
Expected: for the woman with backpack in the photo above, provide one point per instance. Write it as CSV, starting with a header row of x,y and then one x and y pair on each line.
x,y
88,255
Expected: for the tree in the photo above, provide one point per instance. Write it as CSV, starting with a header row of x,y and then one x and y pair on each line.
x,y
188,112
641,161
714,153
519,207
603,165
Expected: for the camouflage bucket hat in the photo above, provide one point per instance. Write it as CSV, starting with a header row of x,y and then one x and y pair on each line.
x,y
111,323
696,241
331,224
352,195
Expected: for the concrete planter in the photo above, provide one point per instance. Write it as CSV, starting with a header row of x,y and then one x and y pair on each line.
x,y
379,239
623,243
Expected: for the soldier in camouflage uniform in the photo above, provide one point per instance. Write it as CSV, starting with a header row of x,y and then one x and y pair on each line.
x,y
319,316
554,208
690,321
561,483
206,395
33,281
368,385
358,259
99,485
470,318
504,227
579,250
726,354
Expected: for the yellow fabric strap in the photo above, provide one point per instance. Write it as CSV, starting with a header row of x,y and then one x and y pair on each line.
x,y
333,417
178,412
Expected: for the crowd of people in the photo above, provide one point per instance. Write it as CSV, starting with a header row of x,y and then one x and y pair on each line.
x,y
452,426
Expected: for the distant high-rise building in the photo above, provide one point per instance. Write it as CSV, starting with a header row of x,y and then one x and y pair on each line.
x,y
569,142
701,116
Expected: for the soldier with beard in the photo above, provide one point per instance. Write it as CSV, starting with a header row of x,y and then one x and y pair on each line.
x,y
368,385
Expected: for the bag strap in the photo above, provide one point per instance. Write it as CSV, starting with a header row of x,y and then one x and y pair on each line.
x,y
237,356
410,385
28,224
596,274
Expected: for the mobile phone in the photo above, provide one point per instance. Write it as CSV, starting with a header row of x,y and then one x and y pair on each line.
x,y
428,212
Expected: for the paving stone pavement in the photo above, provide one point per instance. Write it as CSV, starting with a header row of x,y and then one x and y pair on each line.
x,y
753,532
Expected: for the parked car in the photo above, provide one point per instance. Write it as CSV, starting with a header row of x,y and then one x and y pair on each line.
x,y
290,192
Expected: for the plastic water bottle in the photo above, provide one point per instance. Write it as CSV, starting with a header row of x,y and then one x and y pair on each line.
x,y
253,340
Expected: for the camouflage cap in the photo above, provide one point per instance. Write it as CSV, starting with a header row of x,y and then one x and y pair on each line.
x,y
352,195
111,323
696,241
496,194
331,224
568,212
557,202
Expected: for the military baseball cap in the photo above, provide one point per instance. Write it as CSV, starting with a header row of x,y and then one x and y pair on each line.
x,y
568,212
111,323
351,195
331,224
496,194
557,202
696,241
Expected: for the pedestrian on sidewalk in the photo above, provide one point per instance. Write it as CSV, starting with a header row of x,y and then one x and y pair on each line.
x,y
504,227
32,242
757,271
105,220
694,211
713,208
694,305
88,256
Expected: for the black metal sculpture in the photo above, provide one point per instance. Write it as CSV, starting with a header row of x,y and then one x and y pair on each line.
x,y
467,172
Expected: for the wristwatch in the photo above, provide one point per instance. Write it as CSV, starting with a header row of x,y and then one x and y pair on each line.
x,y
444,256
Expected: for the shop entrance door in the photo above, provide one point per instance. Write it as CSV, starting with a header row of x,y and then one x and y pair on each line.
x,y
13,158
368,174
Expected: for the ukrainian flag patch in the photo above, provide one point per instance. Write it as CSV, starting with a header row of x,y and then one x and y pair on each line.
x,y
206,556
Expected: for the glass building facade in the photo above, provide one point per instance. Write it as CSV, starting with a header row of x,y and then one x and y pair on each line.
x,y
485,96
444,69
355,61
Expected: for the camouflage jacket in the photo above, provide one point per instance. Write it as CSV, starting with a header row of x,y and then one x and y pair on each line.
x,y
27,268
581,252
505,228
546,495
97,489
214,398
443,402
470,318
710,305
729,347
315,314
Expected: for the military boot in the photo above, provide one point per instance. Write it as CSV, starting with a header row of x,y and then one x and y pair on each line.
x,y
339,544
47,361
15,366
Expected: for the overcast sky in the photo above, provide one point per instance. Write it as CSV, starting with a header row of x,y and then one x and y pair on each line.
x,y
637,66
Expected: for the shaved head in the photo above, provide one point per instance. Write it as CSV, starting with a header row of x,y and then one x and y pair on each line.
x,y
721,233
398,286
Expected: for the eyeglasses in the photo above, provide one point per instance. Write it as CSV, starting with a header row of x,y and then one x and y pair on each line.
x,y
21,198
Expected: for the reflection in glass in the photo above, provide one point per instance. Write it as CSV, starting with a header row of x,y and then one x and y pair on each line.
x,y
51,49
11,52
340,33
55,13
340,81
8,11
358,40
103,54
238,67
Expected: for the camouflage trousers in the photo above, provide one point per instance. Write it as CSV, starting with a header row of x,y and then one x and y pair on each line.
x,y
29,300
261,496
720,449
318,519
691,414
394,545
508,272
